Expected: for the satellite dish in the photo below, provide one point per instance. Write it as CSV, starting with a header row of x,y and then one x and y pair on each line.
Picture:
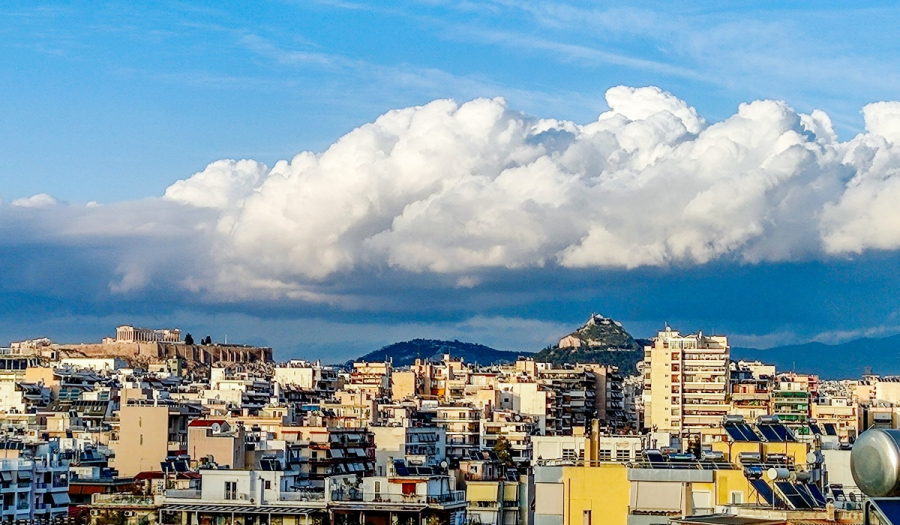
x,y
444,464
216,427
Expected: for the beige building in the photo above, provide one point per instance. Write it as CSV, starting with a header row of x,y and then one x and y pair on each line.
x,y
842,412
404,385
148,432
685,382
215,437
374,379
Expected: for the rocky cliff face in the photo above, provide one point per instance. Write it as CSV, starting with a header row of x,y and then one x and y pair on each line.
x,y
599,340
599,333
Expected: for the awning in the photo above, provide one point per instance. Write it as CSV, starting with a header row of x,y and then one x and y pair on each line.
x,y
240,509
60,498
337,453
6,475
24,474
656,496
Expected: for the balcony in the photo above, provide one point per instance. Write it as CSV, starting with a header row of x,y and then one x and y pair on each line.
x,y
183,493
301,496
707,406
124,500
354,495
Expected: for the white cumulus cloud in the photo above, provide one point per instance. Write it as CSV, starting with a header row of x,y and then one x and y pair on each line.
x,y
41,200
467,189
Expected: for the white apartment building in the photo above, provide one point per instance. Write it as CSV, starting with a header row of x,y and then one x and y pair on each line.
x,y
685,382
34,489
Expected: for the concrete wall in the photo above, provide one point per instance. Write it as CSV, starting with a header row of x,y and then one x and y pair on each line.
x,y
143,439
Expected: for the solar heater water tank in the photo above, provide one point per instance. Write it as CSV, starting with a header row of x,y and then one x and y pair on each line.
x,y
875,462
778,473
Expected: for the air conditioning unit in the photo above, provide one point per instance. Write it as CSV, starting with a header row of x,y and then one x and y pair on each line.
x,y
95,512
128,513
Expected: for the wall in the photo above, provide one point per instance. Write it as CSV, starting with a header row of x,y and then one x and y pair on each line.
x,y
143,439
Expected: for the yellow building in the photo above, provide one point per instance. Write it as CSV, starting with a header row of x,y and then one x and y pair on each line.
x,y
493,502
685,382
610,493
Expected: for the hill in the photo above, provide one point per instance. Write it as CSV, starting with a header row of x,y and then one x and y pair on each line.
x,y
599,340
841,361
406,352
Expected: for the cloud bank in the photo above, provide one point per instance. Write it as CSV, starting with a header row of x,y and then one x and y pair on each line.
x,y
462,190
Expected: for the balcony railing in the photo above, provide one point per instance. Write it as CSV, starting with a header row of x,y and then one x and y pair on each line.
x,y
183,493
128,500
454,496
449,497
301,496
346,495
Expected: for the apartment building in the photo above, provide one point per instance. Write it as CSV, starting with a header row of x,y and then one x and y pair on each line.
x,y
244,496
686,381
336,451
792,397
573,403
148,432
408,496
216,439
373,379
462,425
840,412
308,376
512,427
415,446
34,489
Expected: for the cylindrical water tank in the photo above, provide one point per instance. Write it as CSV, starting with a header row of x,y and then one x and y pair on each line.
x,y
875,462
778,473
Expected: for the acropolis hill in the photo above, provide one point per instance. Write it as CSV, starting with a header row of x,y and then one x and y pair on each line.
x,y
143,346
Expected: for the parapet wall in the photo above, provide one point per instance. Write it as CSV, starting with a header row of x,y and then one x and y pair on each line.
x,y
161,351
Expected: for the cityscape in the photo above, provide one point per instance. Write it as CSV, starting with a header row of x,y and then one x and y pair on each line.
x,y
449,262
149,427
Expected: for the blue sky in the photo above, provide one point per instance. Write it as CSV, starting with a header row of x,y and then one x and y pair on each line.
x,y
114,103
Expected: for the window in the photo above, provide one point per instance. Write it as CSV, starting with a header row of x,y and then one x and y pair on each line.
x,y
623,454
231,490
268,484
142,439
737,498
377,487
605,454
586,519
568,453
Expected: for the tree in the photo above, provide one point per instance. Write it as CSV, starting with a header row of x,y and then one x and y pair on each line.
x,y
188,339
207,341
502,449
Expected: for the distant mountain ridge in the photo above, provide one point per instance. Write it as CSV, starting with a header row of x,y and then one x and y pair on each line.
x,y
405,353
599,340
840,361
